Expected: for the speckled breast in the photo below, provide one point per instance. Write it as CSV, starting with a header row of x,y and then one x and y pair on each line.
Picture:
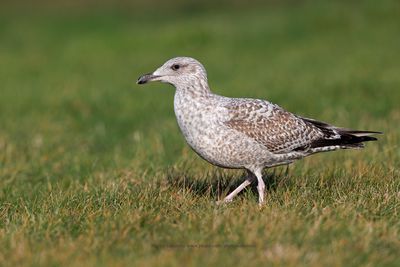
x,y
201,123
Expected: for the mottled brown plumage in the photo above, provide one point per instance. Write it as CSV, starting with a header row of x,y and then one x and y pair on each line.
x,y
278,130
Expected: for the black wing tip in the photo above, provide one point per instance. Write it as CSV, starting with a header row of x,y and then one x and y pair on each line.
x,y
367,138
328,128
347,140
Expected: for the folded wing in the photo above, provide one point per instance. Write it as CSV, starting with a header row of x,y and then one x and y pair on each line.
x,y
282,132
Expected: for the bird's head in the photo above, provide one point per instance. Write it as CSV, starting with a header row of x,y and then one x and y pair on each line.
x,y
177,71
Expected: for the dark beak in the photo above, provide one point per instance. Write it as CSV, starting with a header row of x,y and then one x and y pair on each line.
x,y
146,78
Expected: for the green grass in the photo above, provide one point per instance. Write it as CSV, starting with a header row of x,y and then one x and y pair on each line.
x,y
94,171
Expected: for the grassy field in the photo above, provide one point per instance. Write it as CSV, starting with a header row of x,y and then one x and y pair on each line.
x,y
94,170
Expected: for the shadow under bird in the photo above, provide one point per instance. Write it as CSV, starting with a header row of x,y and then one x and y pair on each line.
x,y
245,133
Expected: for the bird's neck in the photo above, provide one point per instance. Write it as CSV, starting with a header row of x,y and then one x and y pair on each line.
x,y
194,88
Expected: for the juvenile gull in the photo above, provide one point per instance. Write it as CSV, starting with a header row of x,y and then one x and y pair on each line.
x,y
244,133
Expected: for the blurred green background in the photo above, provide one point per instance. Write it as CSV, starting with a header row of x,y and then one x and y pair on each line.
x,y
81,143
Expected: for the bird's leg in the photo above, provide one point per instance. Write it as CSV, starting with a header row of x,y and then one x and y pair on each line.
x,y
242,186
250,178
260,187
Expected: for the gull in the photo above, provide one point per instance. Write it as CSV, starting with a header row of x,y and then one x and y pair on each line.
x,y
244,133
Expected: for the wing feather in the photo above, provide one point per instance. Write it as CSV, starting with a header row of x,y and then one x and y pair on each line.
x,y
278,130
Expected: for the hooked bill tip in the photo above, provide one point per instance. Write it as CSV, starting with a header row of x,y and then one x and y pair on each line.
x,y
142,80
146,78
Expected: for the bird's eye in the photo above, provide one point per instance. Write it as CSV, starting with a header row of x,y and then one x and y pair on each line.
x,y
175,67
